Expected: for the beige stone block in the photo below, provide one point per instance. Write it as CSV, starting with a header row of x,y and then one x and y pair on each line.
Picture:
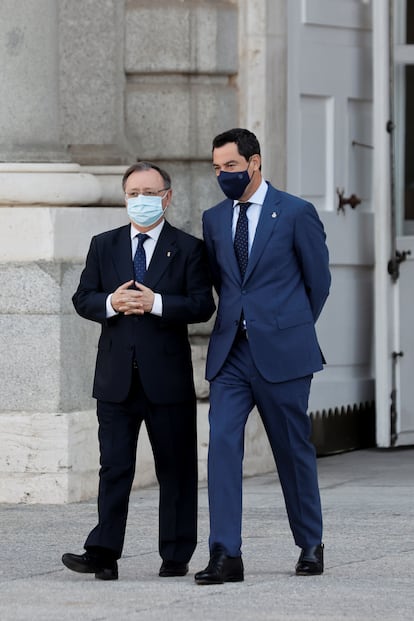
x,y
48,457
30,288
176,118
91,71
53,234
29,112
196,37
78,349
29,362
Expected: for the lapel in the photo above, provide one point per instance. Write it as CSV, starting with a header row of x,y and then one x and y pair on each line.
x,y
121,255
268,220
164,252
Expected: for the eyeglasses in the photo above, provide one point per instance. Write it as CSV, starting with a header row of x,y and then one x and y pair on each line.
x,y
136,193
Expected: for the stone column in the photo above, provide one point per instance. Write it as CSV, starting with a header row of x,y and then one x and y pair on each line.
x,y
263,80
29,85
48,447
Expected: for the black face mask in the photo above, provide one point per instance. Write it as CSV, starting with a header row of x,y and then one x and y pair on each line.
x,y
233,184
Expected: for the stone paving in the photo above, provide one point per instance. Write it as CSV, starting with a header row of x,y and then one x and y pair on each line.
x,y
368,499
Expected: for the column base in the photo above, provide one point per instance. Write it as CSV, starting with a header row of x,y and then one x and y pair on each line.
x,y
48,457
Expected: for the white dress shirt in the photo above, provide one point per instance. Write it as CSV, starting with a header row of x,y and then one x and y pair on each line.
x,y
149,246
253,213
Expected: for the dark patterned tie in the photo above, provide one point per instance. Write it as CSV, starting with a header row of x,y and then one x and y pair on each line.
x,y
140,259
241,238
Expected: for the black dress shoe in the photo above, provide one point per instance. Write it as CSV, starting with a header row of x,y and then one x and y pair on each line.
x,y
91,564
169,569
310,561
221,568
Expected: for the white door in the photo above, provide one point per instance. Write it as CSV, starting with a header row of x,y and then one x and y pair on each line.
x,y
402,423
402,428
329,143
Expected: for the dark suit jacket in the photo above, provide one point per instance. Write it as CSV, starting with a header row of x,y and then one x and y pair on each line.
x,y
179,271
284,289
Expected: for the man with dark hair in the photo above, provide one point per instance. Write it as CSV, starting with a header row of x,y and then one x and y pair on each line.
x,y
270,268
144,283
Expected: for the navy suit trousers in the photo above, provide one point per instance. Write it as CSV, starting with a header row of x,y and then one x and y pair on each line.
x,y
172,433
283,409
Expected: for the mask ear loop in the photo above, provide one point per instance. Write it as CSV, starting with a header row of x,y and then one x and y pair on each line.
x,y
164,209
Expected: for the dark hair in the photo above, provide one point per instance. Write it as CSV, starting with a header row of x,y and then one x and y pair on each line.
x,y
247,143
139,166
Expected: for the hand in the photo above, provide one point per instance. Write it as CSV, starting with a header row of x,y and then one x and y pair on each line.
x,y
146,296
127,301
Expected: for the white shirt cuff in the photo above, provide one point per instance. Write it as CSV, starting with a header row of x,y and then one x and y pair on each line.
x,y
110,312
157,306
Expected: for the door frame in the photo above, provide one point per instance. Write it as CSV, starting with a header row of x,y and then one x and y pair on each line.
x,y
386,292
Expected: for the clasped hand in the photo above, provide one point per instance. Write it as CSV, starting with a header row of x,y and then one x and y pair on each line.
x,y
132,301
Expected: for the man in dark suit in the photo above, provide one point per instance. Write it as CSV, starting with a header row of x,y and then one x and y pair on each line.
x,y
144,283
270,267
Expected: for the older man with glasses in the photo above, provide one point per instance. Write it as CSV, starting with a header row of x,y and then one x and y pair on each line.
x,y
144,283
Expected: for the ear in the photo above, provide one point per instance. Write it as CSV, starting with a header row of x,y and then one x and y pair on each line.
x,y
168,197
256,161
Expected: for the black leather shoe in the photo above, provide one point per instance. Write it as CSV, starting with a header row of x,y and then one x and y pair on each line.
x,y
90,564
169,569
221,568
310,561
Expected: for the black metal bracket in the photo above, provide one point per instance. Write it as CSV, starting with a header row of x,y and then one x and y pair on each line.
x,y
395,262
393,396
352,200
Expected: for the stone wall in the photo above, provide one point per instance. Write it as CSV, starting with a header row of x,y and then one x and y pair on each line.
x,y
87,88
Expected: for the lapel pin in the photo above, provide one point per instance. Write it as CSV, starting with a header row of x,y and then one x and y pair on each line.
x,y
169,253
274,214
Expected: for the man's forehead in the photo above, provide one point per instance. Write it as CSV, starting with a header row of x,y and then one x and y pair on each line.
x,y
228,152
146,177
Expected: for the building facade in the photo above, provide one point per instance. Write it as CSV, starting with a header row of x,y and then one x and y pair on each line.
x,y
87,89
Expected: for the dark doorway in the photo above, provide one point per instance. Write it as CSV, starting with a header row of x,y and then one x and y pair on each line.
x,y
409,120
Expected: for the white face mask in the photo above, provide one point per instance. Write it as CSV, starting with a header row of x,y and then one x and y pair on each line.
x,y
145,210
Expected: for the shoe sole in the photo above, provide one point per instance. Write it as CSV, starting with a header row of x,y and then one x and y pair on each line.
x,y
105,575
100,573
228,579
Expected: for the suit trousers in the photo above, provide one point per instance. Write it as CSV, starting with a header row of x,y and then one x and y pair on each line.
x,y
173,437
283,409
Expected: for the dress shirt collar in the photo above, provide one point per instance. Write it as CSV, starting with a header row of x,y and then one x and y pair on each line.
x,y
153,233
258,197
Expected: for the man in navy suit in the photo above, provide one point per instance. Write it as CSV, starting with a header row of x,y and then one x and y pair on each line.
x,y
144,283
270,268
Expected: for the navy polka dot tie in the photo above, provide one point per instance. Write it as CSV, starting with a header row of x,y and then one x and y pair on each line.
x,y
140,259
241,238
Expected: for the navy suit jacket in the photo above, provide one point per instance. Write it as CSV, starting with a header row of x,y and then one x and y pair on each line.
x,y
282,294
179,271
